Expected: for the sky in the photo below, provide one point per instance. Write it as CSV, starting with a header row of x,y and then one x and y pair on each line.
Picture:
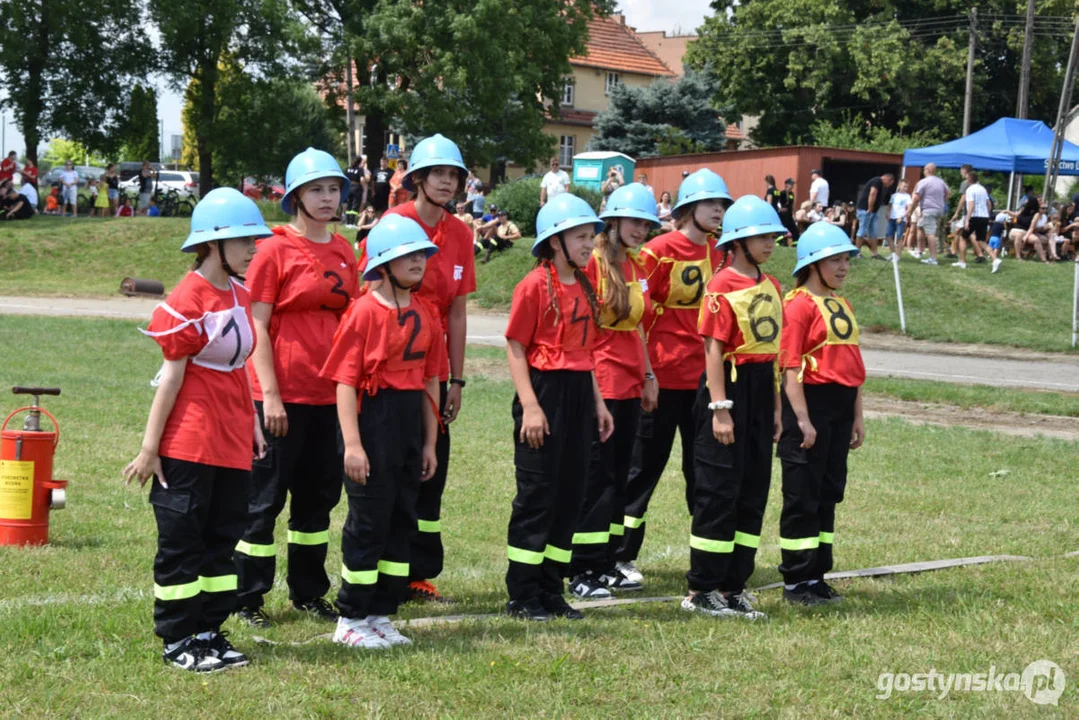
x,y
682,16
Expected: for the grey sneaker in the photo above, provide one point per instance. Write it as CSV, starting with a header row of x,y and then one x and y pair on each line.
x,y
710,603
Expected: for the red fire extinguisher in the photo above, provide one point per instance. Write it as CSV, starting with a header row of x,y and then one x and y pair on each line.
x,y
27,489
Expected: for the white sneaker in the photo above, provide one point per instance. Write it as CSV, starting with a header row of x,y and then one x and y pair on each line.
x,y
917,254
929,261
382,625
629,569
355,632
996,264
961,265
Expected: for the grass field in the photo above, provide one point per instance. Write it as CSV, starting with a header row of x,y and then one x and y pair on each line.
x,y
1025,305
76,615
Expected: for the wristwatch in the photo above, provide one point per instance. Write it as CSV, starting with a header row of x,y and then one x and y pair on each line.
x,y
457,381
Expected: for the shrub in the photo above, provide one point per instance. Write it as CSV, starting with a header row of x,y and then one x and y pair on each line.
x,y
271,211
520,199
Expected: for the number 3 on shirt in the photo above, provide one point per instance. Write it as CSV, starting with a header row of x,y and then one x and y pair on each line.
x,y
417,325
336,290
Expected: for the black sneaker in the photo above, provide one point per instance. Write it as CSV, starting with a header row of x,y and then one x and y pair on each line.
x,y
589,586
951,256
555,604
803,594
192,654
319,608
826,592
219,647
255,617
618,582
710,603
742,603
530,609
979,260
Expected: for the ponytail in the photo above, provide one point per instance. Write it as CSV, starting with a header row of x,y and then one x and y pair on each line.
x,y
616,295
546,261
803,276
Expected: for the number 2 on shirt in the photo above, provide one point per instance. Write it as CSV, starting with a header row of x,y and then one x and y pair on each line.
x,y
417,325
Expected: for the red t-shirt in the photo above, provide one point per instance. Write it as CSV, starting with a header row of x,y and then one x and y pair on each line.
x,y
379,347
552,342
451,271
619,352
678,271
310,286
29,174
832,343
213,420
757,309
7,169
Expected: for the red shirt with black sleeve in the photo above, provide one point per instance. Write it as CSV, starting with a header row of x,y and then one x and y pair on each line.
x,y
552,341
310,286
29,174
678,270
619,353
378,347
213,420
820,337
451,272
761,309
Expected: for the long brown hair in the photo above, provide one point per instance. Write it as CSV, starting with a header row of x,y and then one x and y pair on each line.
x,y
202,251
616,294
546,261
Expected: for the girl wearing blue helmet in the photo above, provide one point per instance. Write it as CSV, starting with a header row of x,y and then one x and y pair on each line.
x,y
558,407
625,379
739,419
436,174
384,362
678,266
301,283
200,435
822,410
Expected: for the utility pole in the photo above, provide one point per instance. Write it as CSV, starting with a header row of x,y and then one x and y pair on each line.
x,y
349,115
1057,148
1024,77
969,95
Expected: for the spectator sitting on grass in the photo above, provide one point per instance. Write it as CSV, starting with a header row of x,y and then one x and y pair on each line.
x,y
464,214
15,206
483,229
29,190
125,209
367,220
1069,229
1033,222
52,202
153,210
506,233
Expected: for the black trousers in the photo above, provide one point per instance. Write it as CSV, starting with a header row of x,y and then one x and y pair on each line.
x,y
600,528
651,450
788,222
426,552
382,513
550,484
732,481
306,464
199,519
814,480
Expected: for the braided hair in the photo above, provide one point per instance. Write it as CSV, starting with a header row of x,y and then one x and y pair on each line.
x,y
546,261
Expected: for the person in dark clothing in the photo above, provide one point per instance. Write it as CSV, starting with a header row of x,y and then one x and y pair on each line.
x,y
874,194
15,206
382,176
356,174
785,207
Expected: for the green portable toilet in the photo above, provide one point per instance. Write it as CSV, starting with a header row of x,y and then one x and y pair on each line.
x,y
590,169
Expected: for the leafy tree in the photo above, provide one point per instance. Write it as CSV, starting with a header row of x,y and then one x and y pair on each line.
x,y
141,140
855,133
900,63
664,118
64,65
60,150
475,70
197,36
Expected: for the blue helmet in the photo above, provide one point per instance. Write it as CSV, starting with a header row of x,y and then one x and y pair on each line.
x,y
632,201
563,212
748,217
432,152
310,165
702,185
394,236
224,213
821,240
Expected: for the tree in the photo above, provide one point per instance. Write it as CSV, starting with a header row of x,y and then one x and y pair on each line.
x,y
475,70
664,118
198,35
140,134
64,65
60,150
900,63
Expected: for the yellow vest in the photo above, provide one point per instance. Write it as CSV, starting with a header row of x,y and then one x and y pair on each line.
x,y
840,327
637,286
759,312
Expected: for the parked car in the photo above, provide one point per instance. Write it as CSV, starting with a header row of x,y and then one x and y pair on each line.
x,y
260,190
85,172
129,170
182,181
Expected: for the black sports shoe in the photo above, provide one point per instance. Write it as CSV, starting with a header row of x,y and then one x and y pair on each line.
x,y
557,606
219,647
826,592
319,607
742,603
589,586
980,259
192,654
617,581
255,617
531,609
803,594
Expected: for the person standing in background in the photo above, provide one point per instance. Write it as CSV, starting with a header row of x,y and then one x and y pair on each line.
x,y
555,182
819,190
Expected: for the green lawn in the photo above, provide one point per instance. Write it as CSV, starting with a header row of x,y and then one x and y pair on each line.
x,y
1016,400
1025,305
76,616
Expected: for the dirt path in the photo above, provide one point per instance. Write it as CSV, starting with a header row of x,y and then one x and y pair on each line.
x,y
1006,423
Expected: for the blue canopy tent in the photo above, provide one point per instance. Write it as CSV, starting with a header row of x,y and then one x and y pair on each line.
x,y
1008,145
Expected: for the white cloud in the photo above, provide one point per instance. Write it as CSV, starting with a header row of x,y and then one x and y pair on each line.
x,y
684,16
